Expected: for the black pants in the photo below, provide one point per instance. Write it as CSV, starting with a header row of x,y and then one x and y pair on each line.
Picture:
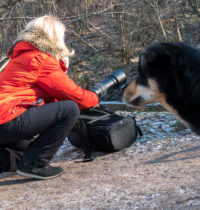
x,y
52,122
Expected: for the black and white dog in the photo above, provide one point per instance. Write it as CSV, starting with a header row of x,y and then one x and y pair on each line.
x,y
169,73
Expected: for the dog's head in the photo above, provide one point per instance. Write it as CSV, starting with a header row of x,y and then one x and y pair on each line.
x,y
137,94
152,69
168,73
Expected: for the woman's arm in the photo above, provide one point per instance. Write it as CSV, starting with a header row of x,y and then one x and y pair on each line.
x,y
57,83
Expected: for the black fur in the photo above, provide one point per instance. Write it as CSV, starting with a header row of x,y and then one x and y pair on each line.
x,y
176,69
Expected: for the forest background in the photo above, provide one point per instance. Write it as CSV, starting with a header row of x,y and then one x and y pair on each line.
x,y
106,34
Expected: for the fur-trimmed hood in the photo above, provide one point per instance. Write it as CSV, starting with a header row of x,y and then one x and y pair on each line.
x,y
41,41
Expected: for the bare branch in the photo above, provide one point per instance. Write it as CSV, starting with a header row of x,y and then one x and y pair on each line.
x,y
79,37
15,18
156,8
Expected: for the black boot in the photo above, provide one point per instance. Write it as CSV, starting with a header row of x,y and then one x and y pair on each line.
x,y
5,163
25,168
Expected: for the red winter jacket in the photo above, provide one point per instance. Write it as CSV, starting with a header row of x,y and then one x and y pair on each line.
x,y
32,74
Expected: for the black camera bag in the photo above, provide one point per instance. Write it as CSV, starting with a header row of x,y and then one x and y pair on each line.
x,y
105,131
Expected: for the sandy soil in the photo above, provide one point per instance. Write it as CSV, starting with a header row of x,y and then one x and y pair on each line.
x,y
160,171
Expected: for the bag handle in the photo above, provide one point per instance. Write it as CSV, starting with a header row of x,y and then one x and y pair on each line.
x,y
104,109
92,121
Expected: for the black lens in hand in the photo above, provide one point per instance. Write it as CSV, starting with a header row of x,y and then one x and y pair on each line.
x,y
115,80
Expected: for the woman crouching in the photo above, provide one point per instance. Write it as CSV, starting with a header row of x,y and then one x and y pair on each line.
x,y
38,97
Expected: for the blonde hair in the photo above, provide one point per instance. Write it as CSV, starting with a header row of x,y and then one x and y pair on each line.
x,y
52,28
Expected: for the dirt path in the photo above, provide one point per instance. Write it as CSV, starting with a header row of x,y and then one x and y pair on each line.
x,y
162,174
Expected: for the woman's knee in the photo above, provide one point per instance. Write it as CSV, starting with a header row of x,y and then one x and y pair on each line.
x,y
75,110
70,109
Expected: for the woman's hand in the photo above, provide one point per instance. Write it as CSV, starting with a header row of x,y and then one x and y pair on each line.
x,y
97,106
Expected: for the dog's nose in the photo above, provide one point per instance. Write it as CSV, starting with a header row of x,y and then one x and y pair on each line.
x,y
137,101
